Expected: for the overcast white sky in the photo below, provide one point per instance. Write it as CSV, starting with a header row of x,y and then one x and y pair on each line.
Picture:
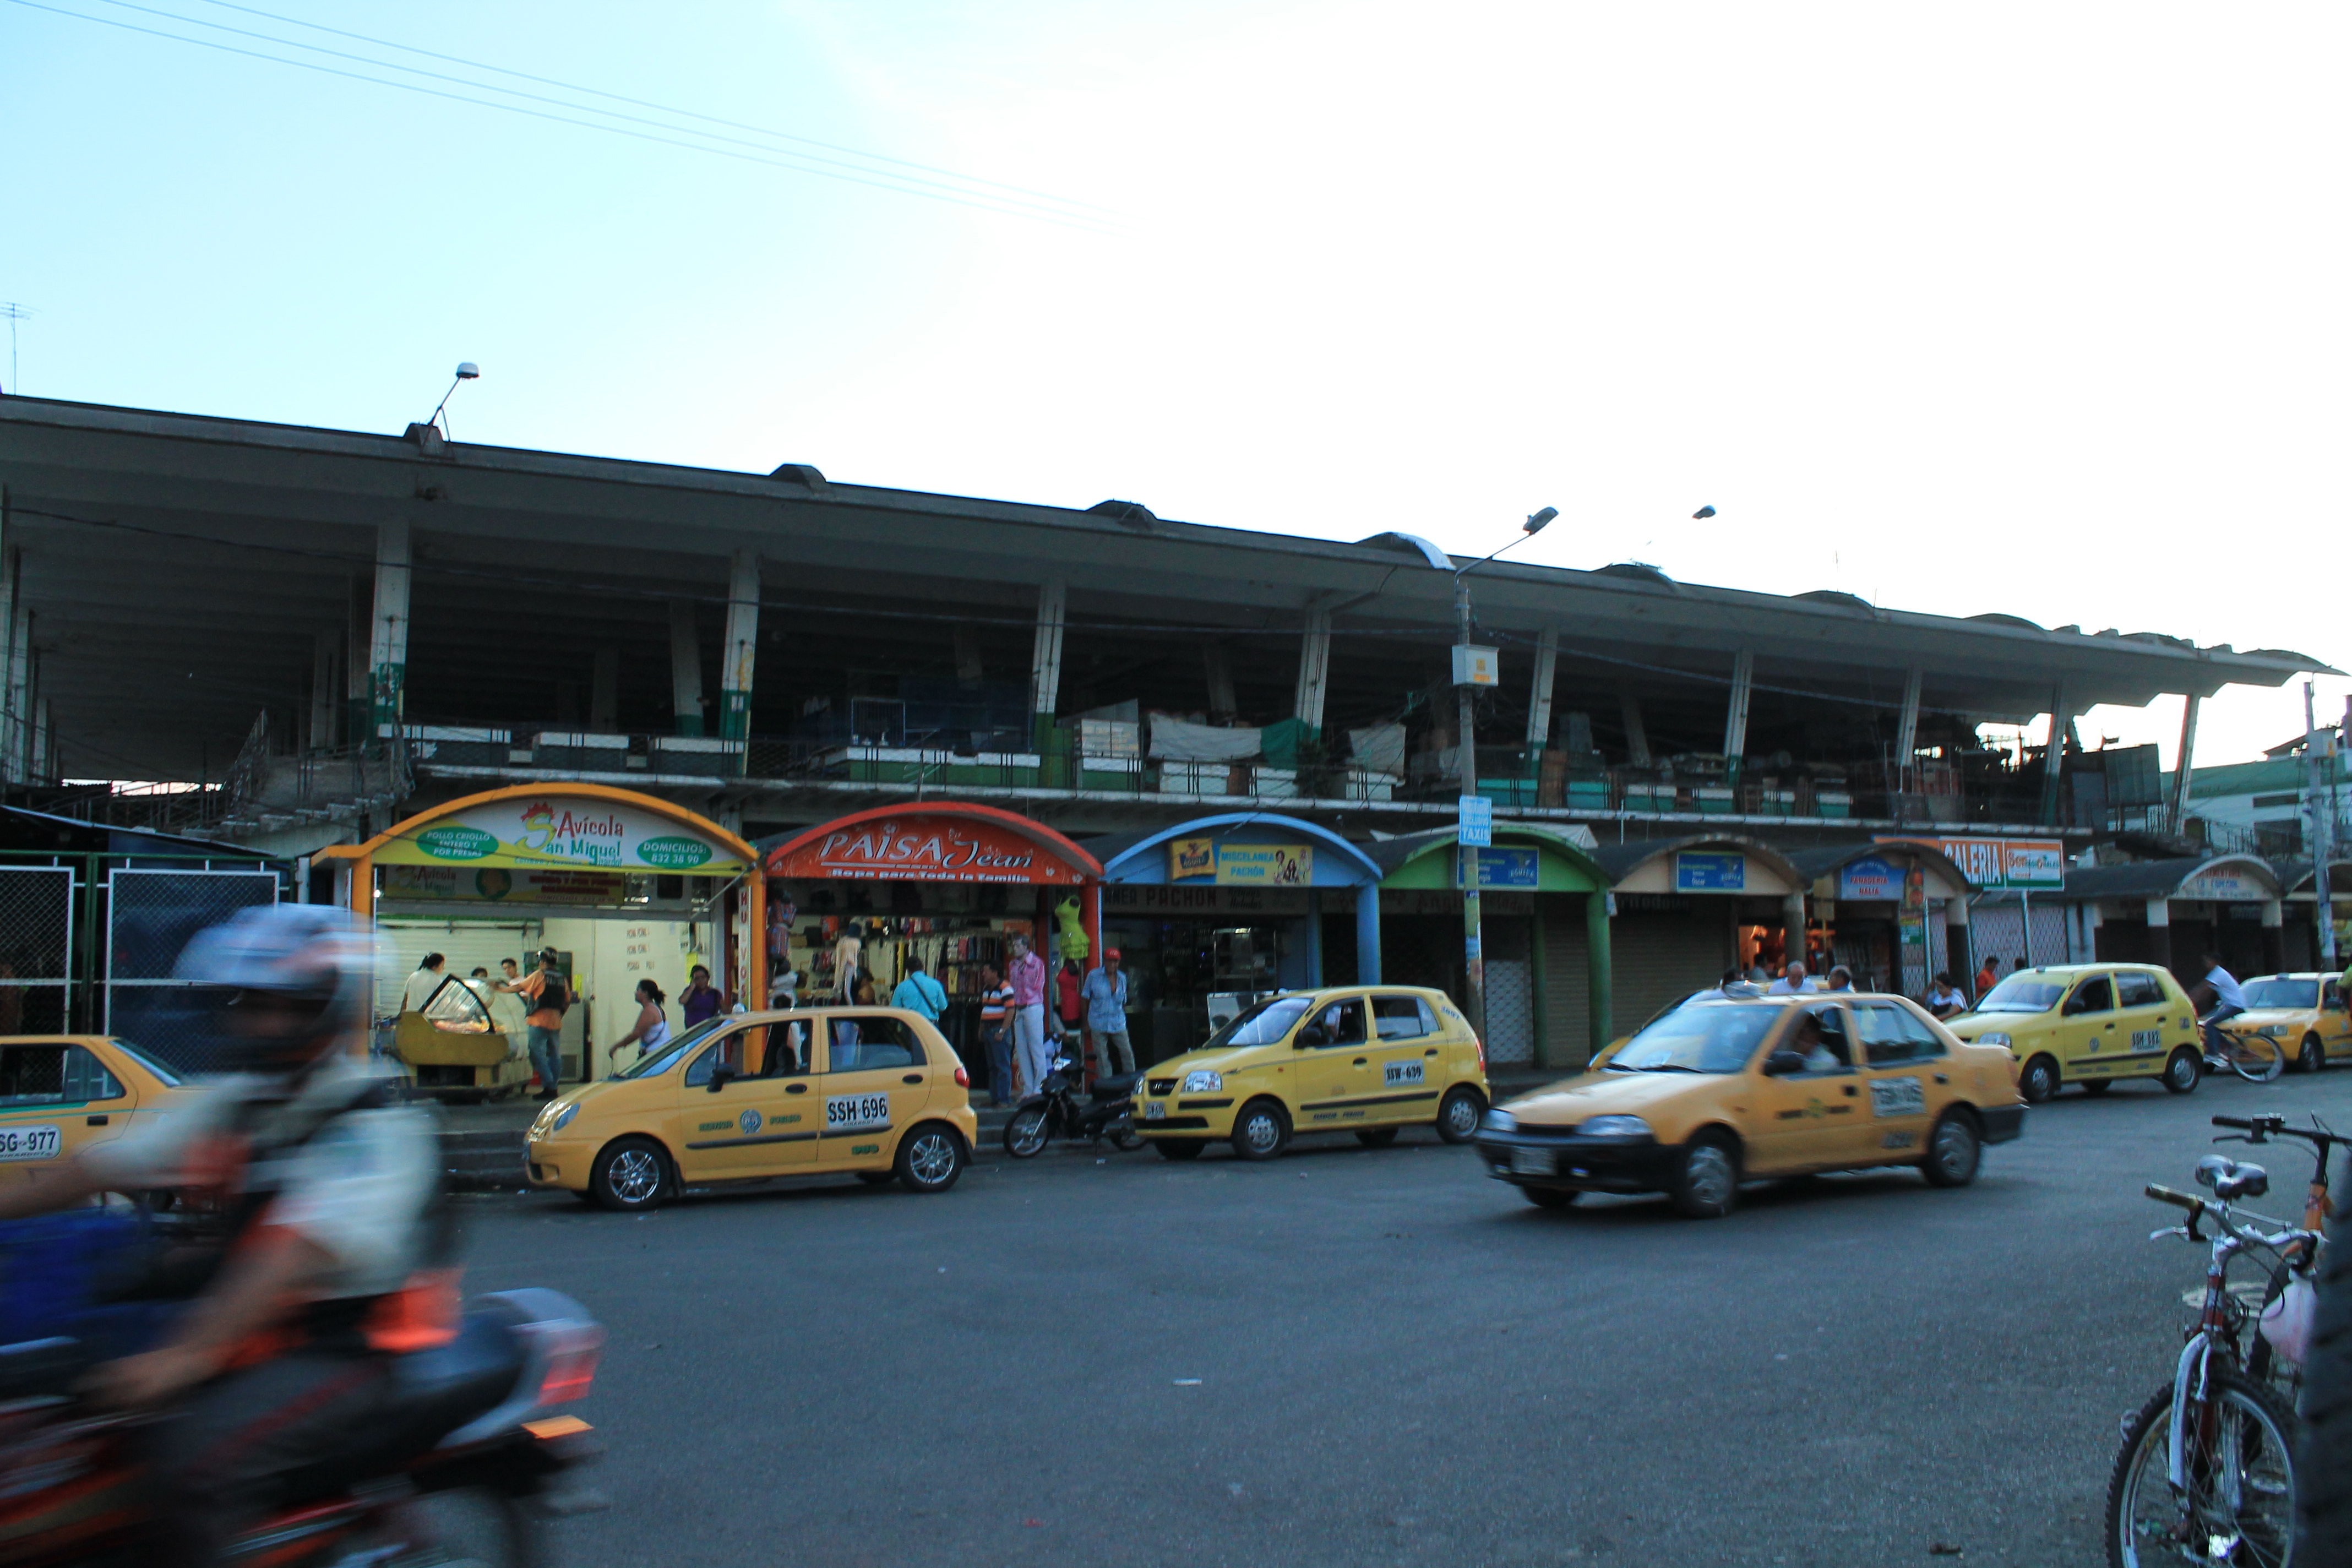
x,y
2037,309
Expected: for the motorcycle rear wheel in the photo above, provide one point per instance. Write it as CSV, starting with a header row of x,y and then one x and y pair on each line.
x,y
469,1527
1027,1133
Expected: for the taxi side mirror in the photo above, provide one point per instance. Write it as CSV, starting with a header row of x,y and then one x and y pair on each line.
x,y
1780,1064
721,1077
1310,1036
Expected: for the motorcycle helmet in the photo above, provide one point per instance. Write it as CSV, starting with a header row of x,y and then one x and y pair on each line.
x,y
292,979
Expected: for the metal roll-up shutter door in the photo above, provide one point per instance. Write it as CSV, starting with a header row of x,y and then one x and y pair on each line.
x,y
465,945
1568,985
2049,942
1658,958
1510,992
1996,932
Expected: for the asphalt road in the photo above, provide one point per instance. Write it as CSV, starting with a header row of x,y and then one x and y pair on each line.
x,y
1356,1356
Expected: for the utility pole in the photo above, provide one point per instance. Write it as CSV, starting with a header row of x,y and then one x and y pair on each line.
x,y
2319,762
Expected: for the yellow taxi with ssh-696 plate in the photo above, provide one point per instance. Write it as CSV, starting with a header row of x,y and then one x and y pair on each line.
x,y
866,1091
1729,1086
62,1093
2090,1024
1366,1059
2304,1013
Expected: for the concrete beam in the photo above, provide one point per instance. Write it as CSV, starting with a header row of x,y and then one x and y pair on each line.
x,y
741,658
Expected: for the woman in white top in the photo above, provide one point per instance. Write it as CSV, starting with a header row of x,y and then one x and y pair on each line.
x,y
652,1031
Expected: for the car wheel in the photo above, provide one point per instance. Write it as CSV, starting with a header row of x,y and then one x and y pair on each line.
x,y
631,1175
2098,1086
1954,1149
1262,1131
1458,1114
1708,1183
1376,1137
1550,1197
2314,1056
1025,1135
2182,1070
2039,1081
1127,1140
1179,1148
930,1158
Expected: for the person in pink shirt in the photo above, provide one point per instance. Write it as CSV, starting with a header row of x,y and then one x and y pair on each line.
x,y
1027,974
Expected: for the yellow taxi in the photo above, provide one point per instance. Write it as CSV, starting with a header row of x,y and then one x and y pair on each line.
x,y
2304,1013
873,1092
2090,1024
1366,1059
63,1093
1734,1085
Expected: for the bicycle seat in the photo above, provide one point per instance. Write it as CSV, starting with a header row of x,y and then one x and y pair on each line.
x,y
2229,1180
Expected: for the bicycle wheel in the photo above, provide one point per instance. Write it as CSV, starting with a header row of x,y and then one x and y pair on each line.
x,y
2240,1507
2257,1059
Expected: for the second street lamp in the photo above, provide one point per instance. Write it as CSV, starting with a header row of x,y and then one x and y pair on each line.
x,y
1473,668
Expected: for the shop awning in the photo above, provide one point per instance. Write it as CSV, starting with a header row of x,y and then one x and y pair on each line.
x,y
2217,878
568,827
1875,871
944,841
1526,857
1730,863
1236,848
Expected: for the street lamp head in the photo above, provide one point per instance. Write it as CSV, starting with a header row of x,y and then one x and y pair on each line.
x,y
1702,514
470,371
1536,524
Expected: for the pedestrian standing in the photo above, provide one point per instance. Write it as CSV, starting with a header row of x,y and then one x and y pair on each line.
x,y
1792,982
996,1033
919,994
846,955
1027,977
550,998
1988,976
651,1031
700,1001
1106,997
422,985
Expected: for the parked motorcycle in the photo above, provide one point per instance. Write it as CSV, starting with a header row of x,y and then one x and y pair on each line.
x,y
1056,1110
463,1465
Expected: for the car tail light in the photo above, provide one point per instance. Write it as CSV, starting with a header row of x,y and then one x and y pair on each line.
x,y
572,1366
1482,1054
964,1078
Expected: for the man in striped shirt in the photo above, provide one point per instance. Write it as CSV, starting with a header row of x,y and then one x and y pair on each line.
x,y
996,1033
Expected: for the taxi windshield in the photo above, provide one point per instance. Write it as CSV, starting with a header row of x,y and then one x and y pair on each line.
x,y
1696,1037
657,1064
1262,1024
2282,993
2018,993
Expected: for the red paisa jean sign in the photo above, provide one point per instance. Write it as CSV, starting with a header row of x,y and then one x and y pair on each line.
x,y
920,848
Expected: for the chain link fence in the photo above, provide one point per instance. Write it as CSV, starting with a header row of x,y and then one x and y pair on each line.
x,y
151,916
36,949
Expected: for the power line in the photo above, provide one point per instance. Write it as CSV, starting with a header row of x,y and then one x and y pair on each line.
x,y
879,180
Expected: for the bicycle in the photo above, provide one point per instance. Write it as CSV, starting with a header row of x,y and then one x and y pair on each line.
x,y
2271,1360
2252,1056
2207,1470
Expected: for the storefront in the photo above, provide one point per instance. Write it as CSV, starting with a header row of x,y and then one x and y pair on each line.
x,y
2014,913
950,882
1883,910
625,887
2302,927
1688,909
2174,911
1544,920
1211,913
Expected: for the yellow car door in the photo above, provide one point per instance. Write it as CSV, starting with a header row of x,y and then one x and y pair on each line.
x,y
1810,1112
55,1098
875,1082
1337,1084
2335,1019
1407,1057
2091,1041
748,1111
2140,1009
1905,1072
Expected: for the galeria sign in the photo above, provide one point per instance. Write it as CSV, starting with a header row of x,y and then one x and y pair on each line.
x,y
562,831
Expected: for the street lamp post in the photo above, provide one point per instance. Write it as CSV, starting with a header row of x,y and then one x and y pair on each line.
x,y
1465,753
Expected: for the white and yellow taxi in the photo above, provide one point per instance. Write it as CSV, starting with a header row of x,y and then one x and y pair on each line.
x,y
2304,1013
2090,1024
1366,1059
873,1092
62,1093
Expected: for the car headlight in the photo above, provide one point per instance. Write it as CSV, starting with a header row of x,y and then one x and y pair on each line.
x,y
1993,1038
2275,1030
1499,1121
563,1117
1201,1080
1614,1127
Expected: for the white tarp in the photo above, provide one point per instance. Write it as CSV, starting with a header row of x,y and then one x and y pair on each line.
x,y
1379,748
1177,740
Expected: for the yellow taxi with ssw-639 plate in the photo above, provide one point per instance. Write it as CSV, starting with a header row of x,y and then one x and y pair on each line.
x,y
1734,1085
1366,1059
873,1092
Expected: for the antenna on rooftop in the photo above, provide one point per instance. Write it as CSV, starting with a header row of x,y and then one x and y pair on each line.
x,y
12,313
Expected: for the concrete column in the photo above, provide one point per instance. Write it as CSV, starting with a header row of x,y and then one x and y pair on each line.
x,y
44,731
604,691
354,729
20,695
1313,669
1906,730
1599,979
2053,762
1367,934
1792,926
1046,659
742,653
1735,718
685,669
1315,938
1219,668
2184,766
969,671
1637,739
388,630
1539,695
324,696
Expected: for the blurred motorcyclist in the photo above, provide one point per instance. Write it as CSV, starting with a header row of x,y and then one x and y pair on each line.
x,y
332,1256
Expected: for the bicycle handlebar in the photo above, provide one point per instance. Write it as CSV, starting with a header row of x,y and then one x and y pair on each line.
x,y
2275,1126
2165,1194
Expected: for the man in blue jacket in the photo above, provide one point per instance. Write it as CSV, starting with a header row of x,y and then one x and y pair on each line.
x,y
919,993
